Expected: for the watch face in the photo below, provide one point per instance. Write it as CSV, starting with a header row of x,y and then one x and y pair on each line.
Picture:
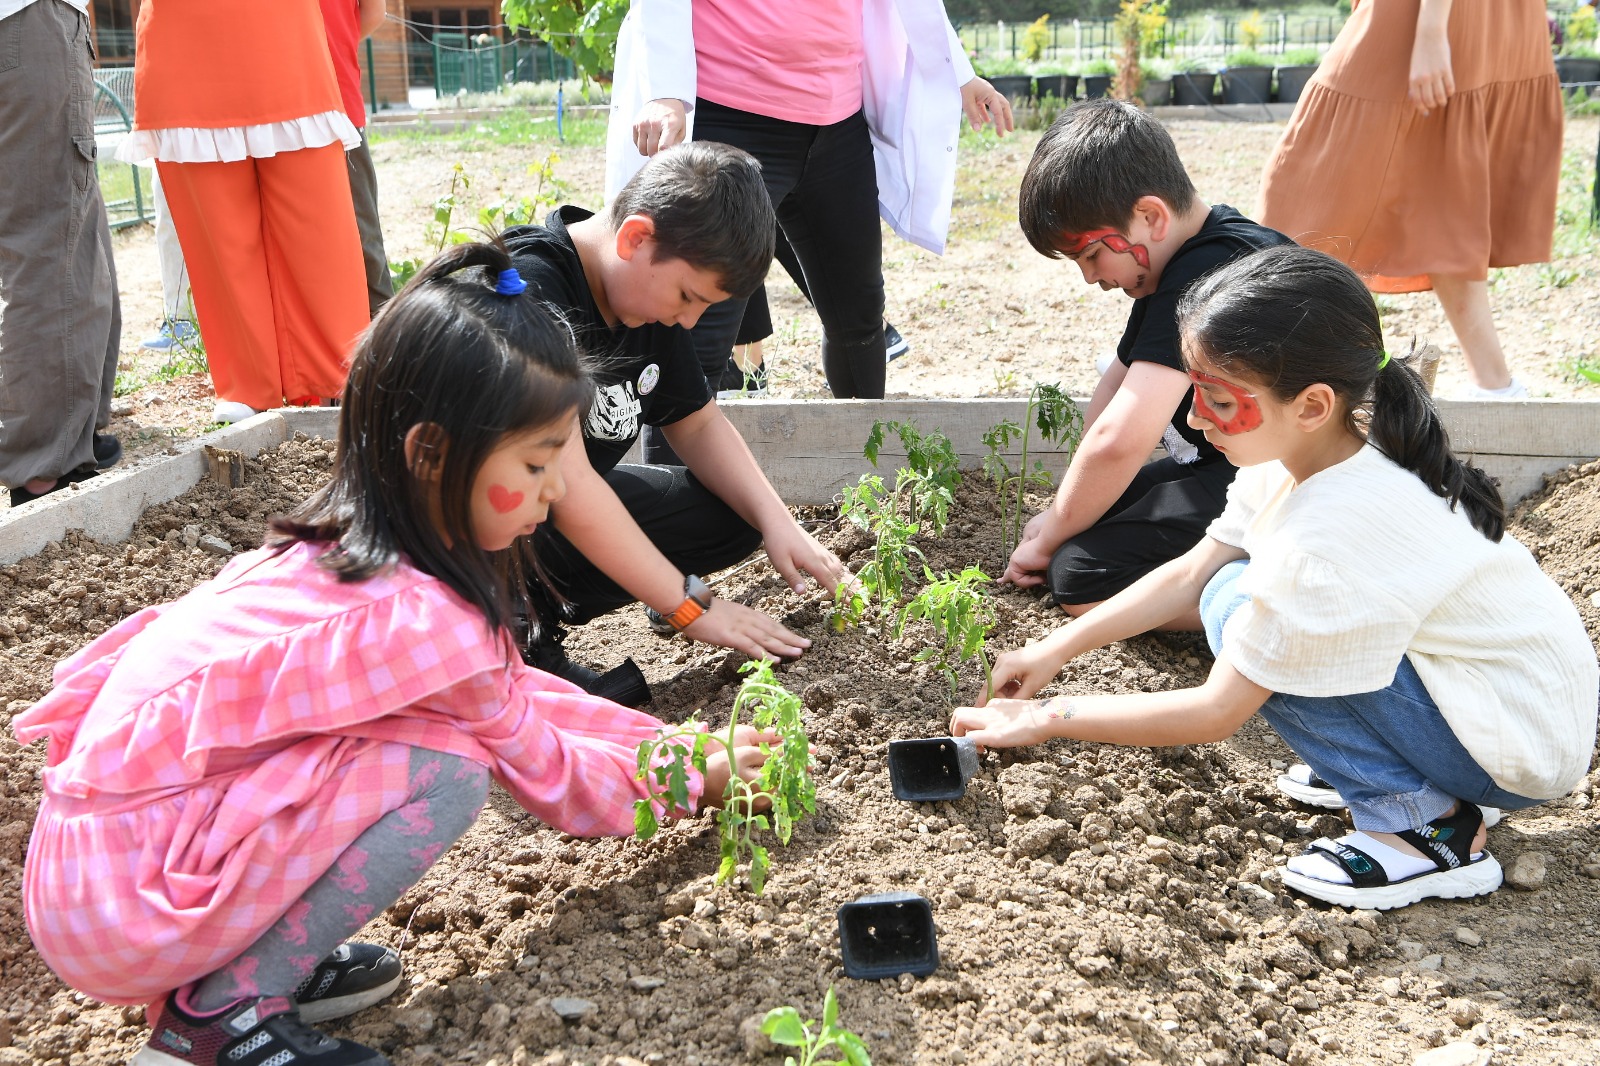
x,y
697,590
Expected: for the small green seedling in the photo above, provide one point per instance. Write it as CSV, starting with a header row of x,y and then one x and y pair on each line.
x,y
930,475
961,614
785,782
782,1025
870,507
1058,421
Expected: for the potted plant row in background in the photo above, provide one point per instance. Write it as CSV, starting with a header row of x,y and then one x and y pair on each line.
x,y
1577,62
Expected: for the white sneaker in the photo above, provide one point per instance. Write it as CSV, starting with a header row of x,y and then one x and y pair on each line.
x,y
230,411
1514,391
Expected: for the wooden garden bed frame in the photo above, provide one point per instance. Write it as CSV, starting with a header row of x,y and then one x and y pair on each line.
x,y
809,449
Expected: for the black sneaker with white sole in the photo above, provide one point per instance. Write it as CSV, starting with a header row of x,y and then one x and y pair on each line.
x,y
894,345
266,1031
352,978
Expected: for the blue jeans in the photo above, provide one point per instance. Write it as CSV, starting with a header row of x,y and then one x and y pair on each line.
x,y
1390,753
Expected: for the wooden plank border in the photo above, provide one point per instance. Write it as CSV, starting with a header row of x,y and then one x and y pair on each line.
x,y
810,449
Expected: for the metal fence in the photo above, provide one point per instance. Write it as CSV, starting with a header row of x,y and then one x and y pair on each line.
x,y
1095,38
125,186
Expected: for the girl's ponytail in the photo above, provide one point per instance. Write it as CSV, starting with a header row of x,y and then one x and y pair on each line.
x,y
1405,426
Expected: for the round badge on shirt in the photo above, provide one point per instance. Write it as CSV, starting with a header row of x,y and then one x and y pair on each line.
x,y
648,378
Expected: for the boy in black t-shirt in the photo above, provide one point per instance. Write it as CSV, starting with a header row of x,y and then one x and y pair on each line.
x,y
692,228
1106,190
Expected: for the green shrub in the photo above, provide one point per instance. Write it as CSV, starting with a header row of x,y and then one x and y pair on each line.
x,y
1247,58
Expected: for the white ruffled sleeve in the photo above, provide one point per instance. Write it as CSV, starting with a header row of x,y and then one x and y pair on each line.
x,y
229,144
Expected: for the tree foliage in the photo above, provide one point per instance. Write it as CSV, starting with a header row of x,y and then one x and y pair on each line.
x,y
585,31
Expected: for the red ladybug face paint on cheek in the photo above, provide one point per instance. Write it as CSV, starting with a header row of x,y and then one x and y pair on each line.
x,y
1073,243
503,499
1248,416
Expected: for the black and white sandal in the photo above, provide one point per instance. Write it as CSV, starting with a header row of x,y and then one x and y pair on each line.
x,y
1301,783
1369,864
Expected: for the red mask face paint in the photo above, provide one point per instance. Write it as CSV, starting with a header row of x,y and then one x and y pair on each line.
x,y
1074,243
1248,416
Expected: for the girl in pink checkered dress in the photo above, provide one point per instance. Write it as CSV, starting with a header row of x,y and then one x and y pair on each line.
x,y
237,781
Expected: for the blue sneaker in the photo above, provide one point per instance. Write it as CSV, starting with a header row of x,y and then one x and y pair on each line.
x,y
174,333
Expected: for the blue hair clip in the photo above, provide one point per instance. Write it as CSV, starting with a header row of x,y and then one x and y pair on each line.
x,y
510,283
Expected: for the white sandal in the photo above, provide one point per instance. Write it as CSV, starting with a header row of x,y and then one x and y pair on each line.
x,y
1301,783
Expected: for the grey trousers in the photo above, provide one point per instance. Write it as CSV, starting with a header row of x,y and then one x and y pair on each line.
x,y
60,320
364,191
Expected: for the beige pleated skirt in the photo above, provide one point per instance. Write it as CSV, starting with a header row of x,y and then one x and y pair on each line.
x,y
1362,175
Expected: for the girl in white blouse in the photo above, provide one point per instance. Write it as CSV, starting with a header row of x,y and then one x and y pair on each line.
x,y
1359,591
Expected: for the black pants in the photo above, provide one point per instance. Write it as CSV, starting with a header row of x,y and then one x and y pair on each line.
x,y
757,322
825,191
694,529
1163,513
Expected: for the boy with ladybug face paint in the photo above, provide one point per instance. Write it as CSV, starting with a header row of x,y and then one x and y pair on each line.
x,y
1106,191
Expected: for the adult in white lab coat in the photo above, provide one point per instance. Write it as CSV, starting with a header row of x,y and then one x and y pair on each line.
x,y
848,126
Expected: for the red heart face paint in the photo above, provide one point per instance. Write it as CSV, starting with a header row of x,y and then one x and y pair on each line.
x,y
503,499
1074,243
1246,418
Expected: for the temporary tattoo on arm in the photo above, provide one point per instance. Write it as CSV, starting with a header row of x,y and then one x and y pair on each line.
x,y
1248,416
1060,707
1073,243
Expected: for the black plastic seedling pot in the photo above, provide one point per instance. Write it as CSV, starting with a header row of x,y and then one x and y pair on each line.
x,y
934,769
888,935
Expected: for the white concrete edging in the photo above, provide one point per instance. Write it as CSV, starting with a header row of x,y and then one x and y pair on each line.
x,y
107,506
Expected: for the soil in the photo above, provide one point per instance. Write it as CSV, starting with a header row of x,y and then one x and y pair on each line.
x,y
988,318
1093,904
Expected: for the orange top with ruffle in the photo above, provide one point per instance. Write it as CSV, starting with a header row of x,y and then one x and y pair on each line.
x,y
212,64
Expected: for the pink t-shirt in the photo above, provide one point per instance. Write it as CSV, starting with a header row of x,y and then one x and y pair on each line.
x,y
800,62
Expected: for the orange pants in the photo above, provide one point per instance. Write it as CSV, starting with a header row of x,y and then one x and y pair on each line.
x,y
275,264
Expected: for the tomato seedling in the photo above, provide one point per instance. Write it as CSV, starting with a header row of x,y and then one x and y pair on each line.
x,y
1058,421
930,475
784,787
784,1026
962,616
870,507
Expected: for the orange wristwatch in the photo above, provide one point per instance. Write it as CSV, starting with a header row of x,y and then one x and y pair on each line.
x,y
696,602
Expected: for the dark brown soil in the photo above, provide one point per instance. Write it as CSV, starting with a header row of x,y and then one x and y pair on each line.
x,y
1093,904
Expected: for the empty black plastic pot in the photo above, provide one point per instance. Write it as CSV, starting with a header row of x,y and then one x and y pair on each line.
x,y
887,935
933,769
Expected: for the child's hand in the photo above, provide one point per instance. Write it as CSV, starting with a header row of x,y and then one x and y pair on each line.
x,y
1004,724
1019,674
1031,558
733,625
747,758
792,551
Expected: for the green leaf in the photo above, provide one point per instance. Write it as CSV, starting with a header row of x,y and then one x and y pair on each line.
x,y
644,819
759,865
830,1009
783,1026
854,1048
